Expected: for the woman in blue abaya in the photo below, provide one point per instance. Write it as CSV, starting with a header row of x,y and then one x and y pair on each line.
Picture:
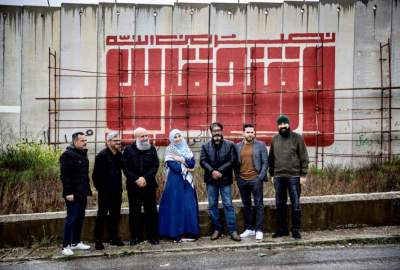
x,y
179,212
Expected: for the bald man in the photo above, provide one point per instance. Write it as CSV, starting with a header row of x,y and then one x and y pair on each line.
x,y
140,167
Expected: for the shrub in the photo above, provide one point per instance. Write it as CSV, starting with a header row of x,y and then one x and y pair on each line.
x,y
29,178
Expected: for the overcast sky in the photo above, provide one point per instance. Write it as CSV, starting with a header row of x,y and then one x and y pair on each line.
x,y
58,2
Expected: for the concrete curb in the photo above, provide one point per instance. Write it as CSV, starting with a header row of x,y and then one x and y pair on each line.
x,y
392,239
318,213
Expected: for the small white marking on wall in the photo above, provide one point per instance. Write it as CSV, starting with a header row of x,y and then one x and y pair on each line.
x,y
10,109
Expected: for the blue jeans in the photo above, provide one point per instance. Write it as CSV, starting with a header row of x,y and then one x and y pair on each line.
x,y
284,185
246,189
213,192
73,222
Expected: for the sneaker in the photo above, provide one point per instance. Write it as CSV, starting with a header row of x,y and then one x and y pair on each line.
x,y
80,246
188,239
67,251
248,233
259,236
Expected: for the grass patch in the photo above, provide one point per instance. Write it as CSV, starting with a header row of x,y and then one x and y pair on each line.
x,y
30,180
374,176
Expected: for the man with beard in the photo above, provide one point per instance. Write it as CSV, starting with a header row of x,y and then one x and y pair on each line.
x,y
251,172
140,167
288,165
107,179
75,179
217,158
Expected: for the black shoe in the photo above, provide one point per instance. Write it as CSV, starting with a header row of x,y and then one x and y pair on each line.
x,y
99,245
279,234
296,235
154,241
116,242
135,241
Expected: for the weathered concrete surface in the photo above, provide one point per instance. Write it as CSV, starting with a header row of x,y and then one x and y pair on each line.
x,y
78,34
318,213
341,238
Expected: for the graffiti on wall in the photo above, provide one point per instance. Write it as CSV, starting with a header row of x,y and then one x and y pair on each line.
x,y
163,82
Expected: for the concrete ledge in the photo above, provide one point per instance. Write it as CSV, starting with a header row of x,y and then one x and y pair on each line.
x,y
341,237
318,213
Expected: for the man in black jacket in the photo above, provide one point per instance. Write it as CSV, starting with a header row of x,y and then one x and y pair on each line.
x,y
140,167
288,161
76,187
107,179
217,158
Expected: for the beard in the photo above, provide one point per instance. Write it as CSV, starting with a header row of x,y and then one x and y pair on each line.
x,y
249,139
143,145
284,131
217,138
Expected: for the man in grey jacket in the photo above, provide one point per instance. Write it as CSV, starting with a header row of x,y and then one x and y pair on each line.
x,y
288,165
251,172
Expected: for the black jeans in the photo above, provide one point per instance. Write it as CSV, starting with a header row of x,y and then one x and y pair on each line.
x,y
74,221
283,185
147,197
108,202
253,217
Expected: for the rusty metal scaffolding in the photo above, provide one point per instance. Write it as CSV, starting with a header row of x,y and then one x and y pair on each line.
x,y
386,109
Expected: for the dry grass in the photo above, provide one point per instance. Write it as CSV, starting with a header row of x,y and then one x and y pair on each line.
x,y
29,180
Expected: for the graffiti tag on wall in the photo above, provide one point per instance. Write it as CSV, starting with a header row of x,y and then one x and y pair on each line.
x,y
188,81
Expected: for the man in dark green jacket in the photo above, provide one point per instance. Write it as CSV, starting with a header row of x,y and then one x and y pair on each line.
x,y
288,165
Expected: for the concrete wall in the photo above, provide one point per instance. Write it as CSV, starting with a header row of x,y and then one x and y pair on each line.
x,y
78,34
318,213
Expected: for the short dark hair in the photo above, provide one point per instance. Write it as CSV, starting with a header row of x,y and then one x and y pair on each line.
x,y
216,124
76,135
247,126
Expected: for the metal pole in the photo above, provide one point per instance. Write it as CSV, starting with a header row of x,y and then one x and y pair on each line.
x,y
390,101
49,101
381,109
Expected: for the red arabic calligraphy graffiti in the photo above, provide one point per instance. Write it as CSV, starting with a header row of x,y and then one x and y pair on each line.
x,y
188,81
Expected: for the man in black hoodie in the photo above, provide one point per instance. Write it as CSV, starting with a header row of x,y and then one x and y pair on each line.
x,y
107,179
76,187
140,168
288,165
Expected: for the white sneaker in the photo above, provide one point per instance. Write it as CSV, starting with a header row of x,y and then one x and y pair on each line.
x,y
259,236
80,246
67,251
247,233
188,240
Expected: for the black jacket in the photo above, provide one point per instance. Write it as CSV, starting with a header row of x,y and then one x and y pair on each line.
x,y
140,163
222,159
107,175
75,173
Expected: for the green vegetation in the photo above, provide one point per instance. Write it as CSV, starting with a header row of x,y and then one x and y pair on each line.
x,y
375,176
30,180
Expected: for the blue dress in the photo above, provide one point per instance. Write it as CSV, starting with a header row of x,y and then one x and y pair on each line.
x,y
179,211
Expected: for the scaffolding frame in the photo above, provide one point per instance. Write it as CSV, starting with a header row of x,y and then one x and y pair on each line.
x,y
386,109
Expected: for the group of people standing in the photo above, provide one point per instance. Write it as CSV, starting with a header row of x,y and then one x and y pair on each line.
x,y
178,216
